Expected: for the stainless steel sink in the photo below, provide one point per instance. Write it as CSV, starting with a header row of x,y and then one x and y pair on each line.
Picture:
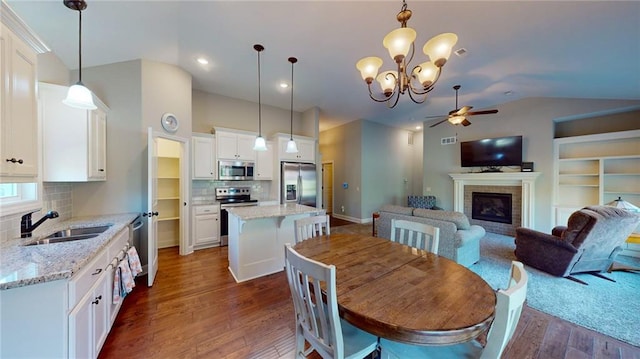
x,y
49,240
70,234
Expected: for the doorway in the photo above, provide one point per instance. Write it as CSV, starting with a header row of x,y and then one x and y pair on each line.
x,y
327,186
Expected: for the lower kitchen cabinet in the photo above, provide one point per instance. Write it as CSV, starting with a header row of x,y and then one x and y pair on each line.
x,y
88,322
206,226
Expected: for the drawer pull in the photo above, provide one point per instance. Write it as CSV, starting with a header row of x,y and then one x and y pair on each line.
x,y
98,271
97,300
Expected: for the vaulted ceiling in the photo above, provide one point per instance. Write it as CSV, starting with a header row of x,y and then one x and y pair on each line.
x,y
514,49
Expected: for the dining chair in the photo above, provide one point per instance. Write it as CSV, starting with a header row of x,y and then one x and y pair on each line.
x,y
507,314
311,227
415,234
318,321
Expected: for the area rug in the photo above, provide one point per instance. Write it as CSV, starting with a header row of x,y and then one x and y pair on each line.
x,y
606,307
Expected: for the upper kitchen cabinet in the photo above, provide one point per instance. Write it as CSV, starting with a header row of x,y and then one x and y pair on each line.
x,y
235,146
204,156
264,164
74,140
18,109
306,149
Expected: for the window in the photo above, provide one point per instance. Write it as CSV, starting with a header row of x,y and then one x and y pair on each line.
x,y
18,197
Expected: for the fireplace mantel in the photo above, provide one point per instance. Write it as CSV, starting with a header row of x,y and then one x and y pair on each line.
x,y
523,179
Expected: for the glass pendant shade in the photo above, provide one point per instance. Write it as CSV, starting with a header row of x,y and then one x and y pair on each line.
x,y
398,42
291,146
387,80
369,67
427,73
260,144
79,96
439,48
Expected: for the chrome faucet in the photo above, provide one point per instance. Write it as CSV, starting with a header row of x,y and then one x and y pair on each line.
x,y
25,224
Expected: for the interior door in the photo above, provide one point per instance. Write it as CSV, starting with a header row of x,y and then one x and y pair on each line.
x,y
327,187
152,207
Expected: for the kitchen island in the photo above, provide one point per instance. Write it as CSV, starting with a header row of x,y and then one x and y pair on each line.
x,y
257,236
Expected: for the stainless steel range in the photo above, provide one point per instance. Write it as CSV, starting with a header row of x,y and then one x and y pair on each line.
x,y
231,197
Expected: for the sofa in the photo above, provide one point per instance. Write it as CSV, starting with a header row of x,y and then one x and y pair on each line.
x,y
459,240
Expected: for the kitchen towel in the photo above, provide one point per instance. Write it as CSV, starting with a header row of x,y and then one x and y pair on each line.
x,y
116,286
134,261
126,279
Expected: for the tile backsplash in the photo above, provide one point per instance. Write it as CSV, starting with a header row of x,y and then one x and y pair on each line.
x,y
206,190
56,197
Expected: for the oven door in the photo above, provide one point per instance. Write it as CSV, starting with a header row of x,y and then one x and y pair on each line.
x,y
224,220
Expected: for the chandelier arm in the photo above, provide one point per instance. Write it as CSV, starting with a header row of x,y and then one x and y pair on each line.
x,y
386,98
412,93
389,105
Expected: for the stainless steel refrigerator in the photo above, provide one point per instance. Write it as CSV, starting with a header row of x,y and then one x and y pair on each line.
x,y
298,183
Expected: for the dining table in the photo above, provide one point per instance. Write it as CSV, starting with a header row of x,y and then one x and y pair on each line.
x,y
402,293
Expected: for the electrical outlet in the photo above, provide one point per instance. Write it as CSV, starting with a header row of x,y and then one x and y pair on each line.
x,y
342,209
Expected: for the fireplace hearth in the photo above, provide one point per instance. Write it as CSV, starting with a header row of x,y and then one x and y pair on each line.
x,y
492,207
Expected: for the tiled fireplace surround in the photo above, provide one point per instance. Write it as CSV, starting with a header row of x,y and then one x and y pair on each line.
x,y
519,184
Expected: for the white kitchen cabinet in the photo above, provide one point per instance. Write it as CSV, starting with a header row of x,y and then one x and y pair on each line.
x,y
206,226
235,146
18,110
595,170
264,164
204,157
88,322
74,140
306,150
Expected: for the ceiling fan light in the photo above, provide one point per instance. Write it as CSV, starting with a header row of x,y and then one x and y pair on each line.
x,y
369,67
456,120
260,144
439,48
426,73
291,146
399,42
80,97
387,81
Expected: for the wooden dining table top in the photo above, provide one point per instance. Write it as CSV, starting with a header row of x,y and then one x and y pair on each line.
x,y
401,293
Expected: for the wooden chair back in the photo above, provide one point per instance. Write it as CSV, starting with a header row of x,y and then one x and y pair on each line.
x,y
312,227
415,234
508,309
317,322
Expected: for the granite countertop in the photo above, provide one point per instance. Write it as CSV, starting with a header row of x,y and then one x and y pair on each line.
x,y
281,210
22,265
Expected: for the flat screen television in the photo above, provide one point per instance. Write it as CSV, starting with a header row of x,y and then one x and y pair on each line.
x,y
492,152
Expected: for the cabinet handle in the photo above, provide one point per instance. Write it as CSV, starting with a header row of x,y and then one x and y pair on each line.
x,y
97,300
100,169
150,214
13,160
98,271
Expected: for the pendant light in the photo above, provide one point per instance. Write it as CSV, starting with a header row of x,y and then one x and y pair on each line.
x,y
79,96
291,145
260,144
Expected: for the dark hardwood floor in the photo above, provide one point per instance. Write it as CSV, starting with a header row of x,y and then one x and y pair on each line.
x,y
196,310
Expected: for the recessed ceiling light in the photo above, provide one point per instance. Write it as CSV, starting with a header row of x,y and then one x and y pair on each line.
x,y
418,127
284,85
202,61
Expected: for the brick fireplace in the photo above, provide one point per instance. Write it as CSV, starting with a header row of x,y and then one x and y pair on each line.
x,y
519,186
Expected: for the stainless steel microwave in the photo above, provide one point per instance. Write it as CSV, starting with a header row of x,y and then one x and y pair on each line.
x,y
235,170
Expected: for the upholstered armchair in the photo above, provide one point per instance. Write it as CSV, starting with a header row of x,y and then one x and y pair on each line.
x,y
588,244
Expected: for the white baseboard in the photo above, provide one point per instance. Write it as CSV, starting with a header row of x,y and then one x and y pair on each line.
x,y
351,219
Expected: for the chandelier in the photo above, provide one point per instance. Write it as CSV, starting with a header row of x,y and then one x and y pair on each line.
x,y
422,78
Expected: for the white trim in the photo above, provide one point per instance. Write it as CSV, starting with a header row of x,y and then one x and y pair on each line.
x,y
11,20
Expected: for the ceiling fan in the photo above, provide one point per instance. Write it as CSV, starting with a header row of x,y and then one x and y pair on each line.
x,y
459,115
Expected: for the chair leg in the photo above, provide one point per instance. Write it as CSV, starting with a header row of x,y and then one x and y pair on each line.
x,y
600,275
576,280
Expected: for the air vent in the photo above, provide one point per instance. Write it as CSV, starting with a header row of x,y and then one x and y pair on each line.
x,y
461,52
448,140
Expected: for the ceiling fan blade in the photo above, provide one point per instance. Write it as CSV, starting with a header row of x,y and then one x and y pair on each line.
x,y
463,110
438,116
486,112
439,122
465,122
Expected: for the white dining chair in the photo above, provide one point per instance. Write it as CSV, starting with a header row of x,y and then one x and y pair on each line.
x,y
415,234
318,322
507,314
311,227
